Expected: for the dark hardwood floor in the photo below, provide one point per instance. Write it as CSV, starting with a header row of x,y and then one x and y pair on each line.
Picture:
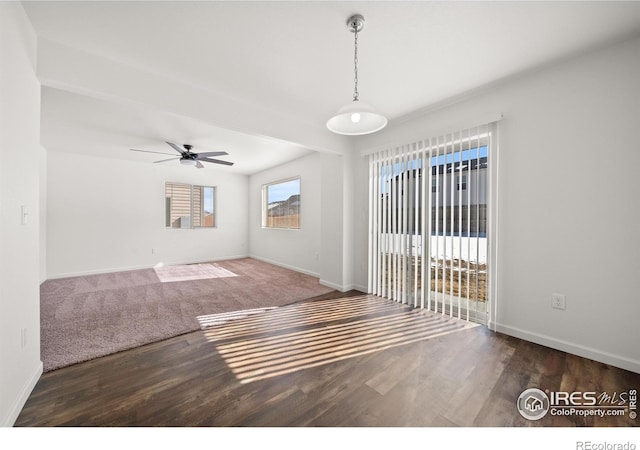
x,y
338,360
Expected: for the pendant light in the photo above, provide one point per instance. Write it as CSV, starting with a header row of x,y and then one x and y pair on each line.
x,y
356,117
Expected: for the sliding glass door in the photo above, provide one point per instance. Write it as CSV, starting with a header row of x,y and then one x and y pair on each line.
x,y
429,223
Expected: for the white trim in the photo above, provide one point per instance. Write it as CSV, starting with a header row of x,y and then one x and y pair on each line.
x,y
570,347
286,266
19,402
493,201
344,288
264,189
145,266
335,286
357,287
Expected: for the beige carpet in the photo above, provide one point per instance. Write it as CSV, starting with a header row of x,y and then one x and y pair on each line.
x,y
186,272
91,316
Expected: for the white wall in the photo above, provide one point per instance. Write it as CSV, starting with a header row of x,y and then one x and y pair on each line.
x,y
322,246
296,249
19,185
569,213
107,214
334,216
43,214
360,220
348,218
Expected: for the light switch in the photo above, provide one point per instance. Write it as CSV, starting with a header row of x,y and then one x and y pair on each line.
x,y
25,215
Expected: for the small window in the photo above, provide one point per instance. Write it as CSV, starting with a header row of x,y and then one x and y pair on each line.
x,y
281,204
461,182
188,206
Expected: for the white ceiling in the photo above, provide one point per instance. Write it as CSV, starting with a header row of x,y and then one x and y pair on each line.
x,y
75,123
296,59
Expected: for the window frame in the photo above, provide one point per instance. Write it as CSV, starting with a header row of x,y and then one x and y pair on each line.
x,y
264,191
461,182
192,210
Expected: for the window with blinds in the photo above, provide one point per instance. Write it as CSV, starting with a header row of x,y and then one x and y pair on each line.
x,y
428,223
189,206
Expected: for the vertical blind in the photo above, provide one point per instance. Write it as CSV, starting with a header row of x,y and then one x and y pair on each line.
x,y
428,223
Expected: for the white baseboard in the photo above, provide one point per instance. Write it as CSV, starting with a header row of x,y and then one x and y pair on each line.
x,y
343,288
360,288
19,402
124,269
286,266
569,347
335,286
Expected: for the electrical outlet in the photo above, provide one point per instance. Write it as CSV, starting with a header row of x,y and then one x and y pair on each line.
x,y
558,301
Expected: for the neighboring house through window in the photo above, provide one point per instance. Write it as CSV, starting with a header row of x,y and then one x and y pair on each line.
x,y
189,206
281,204
462,182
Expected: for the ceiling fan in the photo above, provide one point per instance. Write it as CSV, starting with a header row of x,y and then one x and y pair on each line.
x,y
189,158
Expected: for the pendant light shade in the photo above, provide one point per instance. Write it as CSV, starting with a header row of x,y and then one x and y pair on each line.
x,y
356,117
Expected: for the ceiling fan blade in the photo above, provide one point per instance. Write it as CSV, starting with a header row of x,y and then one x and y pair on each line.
x,y
216,161
199,165
205,154
169,159
148,151
176,148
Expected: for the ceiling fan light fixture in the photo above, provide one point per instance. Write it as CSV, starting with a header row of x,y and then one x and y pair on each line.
x,y
356,117
189,158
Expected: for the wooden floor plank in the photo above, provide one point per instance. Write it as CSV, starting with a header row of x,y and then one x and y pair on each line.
x,y
366,364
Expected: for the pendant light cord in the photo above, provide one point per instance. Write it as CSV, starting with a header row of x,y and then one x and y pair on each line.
x,y
355,64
